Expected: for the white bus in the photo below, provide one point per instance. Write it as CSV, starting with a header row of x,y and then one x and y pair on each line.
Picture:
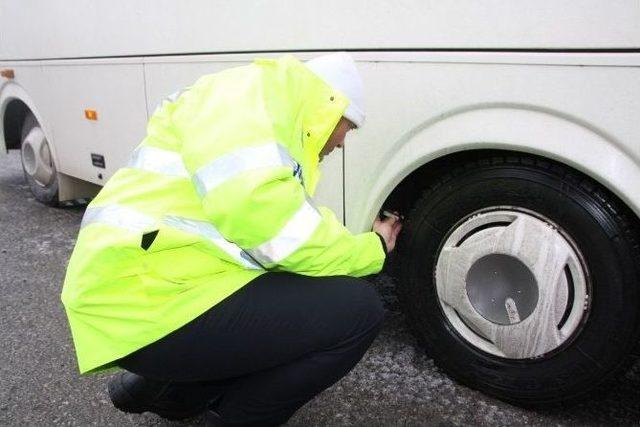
x,y
507,134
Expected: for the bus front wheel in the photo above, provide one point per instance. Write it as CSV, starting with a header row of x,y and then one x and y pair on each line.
x,y
520,277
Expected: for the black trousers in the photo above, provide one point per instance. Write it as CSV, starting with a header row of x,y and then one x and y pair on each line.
x,y
268,348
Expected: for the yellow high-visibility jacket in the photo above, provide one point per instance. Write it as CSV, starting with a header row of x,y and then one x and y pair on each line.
x,y
217,193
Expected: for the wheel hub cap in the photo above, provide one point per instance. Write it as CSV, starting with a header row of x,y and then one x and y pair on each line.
x,y
502,289
36,157
512,283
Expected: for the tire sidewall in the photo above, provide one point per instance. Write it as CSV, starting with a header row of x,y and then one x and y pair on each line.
x,y
608,333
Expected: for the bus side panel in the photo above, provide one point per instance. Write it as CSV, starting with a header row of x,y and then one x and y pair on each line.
x,y
39,29
116,93
409,99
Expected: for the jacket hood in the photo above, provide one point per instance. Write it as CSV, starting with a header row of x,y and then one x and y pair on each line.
x,y
314,109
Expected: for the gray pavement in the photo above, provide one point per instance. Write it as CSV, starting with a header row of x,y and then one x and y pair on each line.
x,y
395,383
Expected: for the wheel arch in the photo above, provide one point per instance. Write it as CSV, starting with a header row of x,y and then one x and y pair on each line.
x,y
478,130
12,121
15,104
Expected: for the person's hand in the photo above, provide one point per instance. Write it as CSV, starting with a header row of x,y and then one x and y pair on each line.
x,y
388,228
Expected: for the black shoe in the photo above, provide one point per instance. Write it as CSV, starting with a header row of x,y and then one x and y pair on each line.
x,y
134,394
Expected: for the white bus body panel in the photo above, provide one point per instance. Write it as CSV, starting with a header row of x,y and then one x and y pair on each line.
x,y
116,92
79,28
420,109
579,108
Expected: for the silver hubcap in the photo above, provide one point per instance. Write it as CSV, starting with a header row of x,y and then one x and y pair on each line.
x,y
502,289
36,157
512,283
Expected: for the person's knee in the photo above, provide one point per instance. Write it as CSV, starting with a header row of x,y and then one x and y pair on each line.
x,y
375,307
367,303
345,308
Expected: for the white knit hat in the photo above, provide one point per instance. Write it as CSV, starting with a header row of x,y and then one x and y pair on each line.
x,y
339,70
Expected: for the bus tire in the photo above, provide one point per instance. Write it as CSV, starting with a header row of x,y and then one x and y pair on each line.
x,y
37,162
556,205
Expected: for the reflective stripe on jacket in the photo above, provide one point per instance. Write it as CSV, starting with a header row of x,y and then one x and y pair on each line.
x,y
217,193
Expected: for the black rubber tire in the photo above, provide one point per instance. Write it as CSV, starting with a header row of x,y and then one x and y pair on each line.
x,y
598,223
47,195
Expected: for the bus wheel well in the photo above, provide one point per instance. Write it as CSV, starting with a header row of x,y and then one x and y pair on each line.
x,y
404,196
13,120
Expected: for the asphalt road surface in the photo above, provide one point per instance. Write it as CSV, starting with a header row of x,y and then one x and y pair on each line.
x,y
395,383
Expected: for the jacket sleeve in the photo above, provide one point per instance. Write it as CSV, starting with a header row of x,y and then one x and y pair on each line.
x,y
258,203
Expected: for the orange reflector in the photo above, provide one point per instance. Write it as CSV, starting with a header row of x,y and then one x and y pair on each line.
x,y
91,114
8,73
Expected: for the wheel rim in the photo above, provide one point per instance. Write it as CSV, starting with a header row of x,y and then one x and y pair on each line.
x,y
36,157
512,283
